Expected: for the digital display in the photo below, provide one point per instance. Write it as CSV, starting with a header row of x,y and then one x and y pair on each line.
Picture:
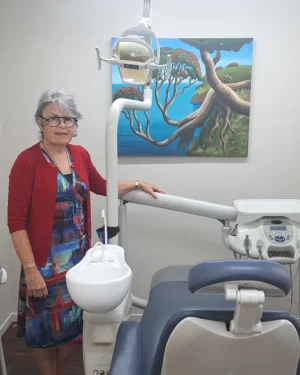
x,y
131,66
278,227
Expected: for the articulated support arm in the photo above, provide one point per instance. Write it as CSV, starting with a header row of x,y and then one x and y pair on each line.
x,y
248,311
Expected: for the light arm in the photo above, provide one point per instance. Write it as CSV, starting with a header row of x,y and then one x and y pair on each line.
x,y
125,187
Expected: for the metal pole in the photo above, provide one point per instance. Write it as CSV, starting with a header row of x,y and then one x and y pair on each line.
x,y
123,225
112,153
147,9
2,358
3,279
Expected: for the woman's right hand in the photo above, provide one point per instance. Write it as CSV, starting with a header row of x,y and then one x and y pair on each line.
x,y
36,286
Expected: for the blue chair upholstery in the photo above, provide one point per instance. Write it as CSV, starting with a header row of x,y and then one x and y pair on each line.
x,y
127,350
221,271
140,347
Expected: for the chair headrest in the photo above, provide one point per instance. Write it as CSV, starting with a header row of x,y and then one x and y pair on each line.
x,y
221,271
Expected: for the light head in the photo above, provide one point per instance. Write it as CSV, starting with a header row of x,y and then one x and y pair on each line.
x,y
134,55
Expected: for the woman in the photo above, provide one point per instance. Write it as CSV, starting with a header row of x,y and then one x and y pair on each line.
x,y
49,218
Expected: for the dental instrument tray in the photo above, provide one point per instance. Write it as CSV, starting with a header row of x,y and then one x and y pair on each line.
x,y
268,207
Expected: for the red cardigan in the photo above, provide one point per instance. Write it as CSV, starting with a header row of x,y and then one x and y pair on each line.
x,y
32,195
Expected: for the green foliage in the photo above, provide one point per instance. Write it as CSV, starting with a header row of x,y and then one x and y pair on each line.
x,y
211,144
181,59
181,56
191,73
128,93
214,44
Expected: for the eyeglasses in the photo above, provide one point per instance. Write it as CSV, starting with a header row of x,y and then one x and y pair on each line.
x,y
55,121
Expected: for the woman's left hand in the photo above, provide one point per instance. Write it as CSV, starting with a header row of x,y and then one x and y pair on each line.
x,y
150,189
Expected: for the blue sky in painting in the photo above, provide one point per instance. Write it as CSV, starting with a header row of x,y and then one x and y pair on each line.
x,y
243,56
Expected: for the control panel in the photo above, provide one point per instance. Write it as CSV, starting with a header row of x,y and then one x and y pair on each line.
x,y
270,238
278,231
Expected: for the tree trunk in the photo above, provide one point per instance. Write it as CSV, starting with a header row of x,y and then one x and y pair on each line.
x,y
192,121
223,91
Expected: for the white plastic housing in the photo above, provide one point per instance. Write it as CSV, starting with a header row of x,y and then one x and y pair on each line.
x,y
112,153
268,207
100,284
269,238
191,206
200,346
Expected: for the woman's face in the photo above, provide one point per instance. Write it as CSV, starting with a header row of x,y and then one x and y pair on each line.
x,y
57,131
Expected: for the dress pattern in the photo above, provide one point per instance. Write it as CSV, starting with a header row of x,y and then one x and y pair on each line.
x,y
55,320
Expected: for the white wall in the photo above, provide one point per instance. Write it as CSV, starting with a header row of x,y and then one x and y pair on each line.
x,y
6,301
51,44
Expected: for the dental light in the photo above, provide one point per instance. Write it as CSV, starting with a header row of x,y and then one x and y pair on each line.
x,y
136,60
133,52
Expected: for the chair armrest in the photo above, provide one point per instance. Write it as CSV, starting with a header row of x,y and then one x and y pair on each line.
x,y
126,357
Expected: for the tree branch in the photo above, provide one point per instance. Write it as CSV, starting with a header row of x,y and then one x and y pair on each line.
x,y
217,58
216,124
126,114
186,87
165,116
195,119
129,117
223,91
198,121
147,125
227,120
138,122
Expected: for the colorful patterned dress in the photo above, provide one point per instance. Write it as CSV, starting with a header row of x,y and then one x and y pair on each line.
x,y
55,320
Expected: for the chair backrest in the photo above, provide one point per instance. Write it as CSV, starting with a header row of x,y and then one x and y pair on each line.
x,y
191,333
215,341
200,346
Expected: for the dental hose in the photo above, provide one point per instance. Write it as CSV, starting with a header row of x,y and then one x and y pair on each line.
x,y
292,289
293,279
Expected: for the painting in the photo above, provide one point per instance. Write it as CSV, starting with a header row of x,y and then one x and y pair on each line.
x,y
202,110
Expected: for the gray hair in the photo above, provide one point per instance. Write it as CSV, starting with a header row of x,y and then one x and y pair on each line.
x,y
63,99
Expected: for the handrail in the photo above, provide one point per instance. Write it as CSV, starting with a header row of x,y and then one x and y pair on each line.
x,y
186,205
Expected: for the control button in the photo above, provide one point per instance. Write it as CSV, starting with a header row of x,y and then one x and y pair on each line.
x,y
279,239
276,222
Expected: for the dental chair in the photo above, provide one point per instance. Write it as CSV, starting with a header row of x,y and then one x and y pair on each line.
x,y
209,320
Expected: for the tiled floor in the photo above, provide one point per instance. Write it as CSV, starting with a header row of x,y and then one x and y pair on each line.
x,y
20,359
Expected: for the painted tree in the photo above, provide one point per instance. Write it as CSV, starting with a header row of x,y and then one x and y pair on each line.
x,y
185,72
131,115
222,97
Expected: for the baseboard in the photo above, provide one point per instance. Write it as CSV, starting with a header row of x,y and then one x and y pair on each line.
x,y
10,319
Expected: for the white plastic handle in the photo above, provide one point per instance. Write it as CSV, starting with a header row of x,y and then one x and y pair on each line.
x,y
98,57
113,60
97,245
3,276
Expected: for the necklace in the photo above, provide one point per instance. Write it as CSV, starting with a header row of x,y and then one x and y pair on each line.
x,y
79,198
53,160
